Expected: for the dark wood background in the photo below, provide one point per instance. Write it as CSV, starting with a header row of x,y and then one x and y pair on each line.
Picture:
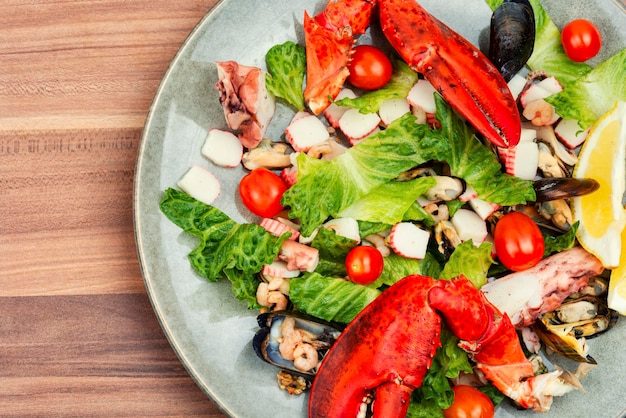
x,y
78,336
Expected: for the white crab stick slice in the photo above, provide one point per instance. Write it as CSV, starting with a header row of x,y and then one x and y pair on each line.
x,y
408,240
356,126
201,184
469,225
422,96
223,148
334,112
305,131
392,109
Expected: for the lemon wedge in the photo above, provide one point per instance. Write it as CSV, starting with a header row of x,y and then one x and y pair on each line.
x,y
601,216
617,283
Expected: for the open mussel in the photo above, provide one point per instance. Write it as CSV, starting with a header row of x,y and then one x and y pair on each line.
x,y
511,36
566,329
294,342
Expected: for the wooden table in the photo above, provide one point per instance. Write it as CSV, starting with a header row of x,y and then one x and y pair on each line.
x,y
78,336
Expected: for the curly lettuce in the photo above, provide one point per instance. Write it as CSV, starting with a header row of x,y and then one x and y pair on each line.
x,y
286,65
330,299
226,248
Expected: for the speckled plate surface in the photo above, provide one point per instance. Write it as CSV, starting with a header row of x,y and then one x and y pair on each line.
x,y
209,330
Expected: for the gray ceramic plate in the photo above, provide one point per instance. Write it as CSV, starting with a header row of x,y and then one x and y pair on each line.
x,y
209,330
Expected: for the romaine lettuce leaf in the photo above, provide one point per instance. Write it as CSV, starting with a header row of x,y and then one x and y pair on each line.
x,y
325,188
548,53
330,299
286,64
224,244
448,362
389,202
402,80
333,250
476,164
397,268
565,241
244,286
471,261
591,96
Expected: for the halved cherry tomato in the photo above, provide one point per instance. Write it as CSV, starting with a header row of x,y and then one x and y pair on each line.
x,y
364,264
369,67
261,191
581,40
469,402
518,241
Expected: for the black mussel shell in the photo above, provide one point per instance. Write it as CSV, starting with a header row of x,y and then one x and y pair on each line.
x,y
266,347
563,188
511,36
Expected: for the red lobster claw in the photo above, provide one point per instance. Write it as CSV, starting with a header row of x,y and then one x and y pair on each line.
x,y
463,75
329,38
387,349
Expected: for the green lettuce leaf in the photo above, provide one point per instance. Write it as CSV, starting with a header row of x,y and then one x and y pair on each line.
x,y
333,250
286,64
556,244
448,362
325,188
591,96
389,202
397,267
476,164
330,299
244,286
471,261
402,80
548,53
224,244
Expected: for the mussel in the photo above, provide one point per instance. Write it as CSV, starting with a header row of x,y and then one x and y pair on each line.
x,y
511,36
318,335
585,316
563,188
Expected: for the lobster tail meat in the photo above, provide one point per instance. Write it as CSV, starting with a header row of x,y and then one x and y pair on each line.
x,y
329,38
463,75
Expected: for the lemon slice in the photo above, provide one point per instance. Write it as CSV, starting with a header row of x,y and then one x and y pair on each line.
x,y
600,213
617,284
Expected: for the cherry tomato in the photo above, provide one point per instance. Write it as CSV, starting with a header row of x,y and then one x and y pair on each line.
x,y
370,68
261,191
518,241
469,402
364,264
581,40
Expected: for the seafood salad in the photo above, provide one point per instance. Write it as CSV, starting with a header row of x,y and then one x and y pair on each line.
x,y
388,250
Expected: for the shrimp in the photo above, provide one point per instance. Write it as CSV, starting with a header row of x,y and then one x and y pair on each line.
x,y
290,338
305,357
270,298
539,112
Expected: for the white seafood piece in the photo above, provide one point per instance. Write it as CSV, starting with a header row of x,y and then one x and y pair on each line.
x,y
248,106
298,256
526,295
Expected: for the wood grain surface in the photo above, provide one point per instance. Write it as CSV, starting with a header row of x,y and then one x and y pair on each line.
x,y
78,336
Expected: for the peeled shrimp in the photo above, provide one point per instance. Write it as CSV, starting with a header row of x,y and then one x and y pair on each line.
x,y
305,357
